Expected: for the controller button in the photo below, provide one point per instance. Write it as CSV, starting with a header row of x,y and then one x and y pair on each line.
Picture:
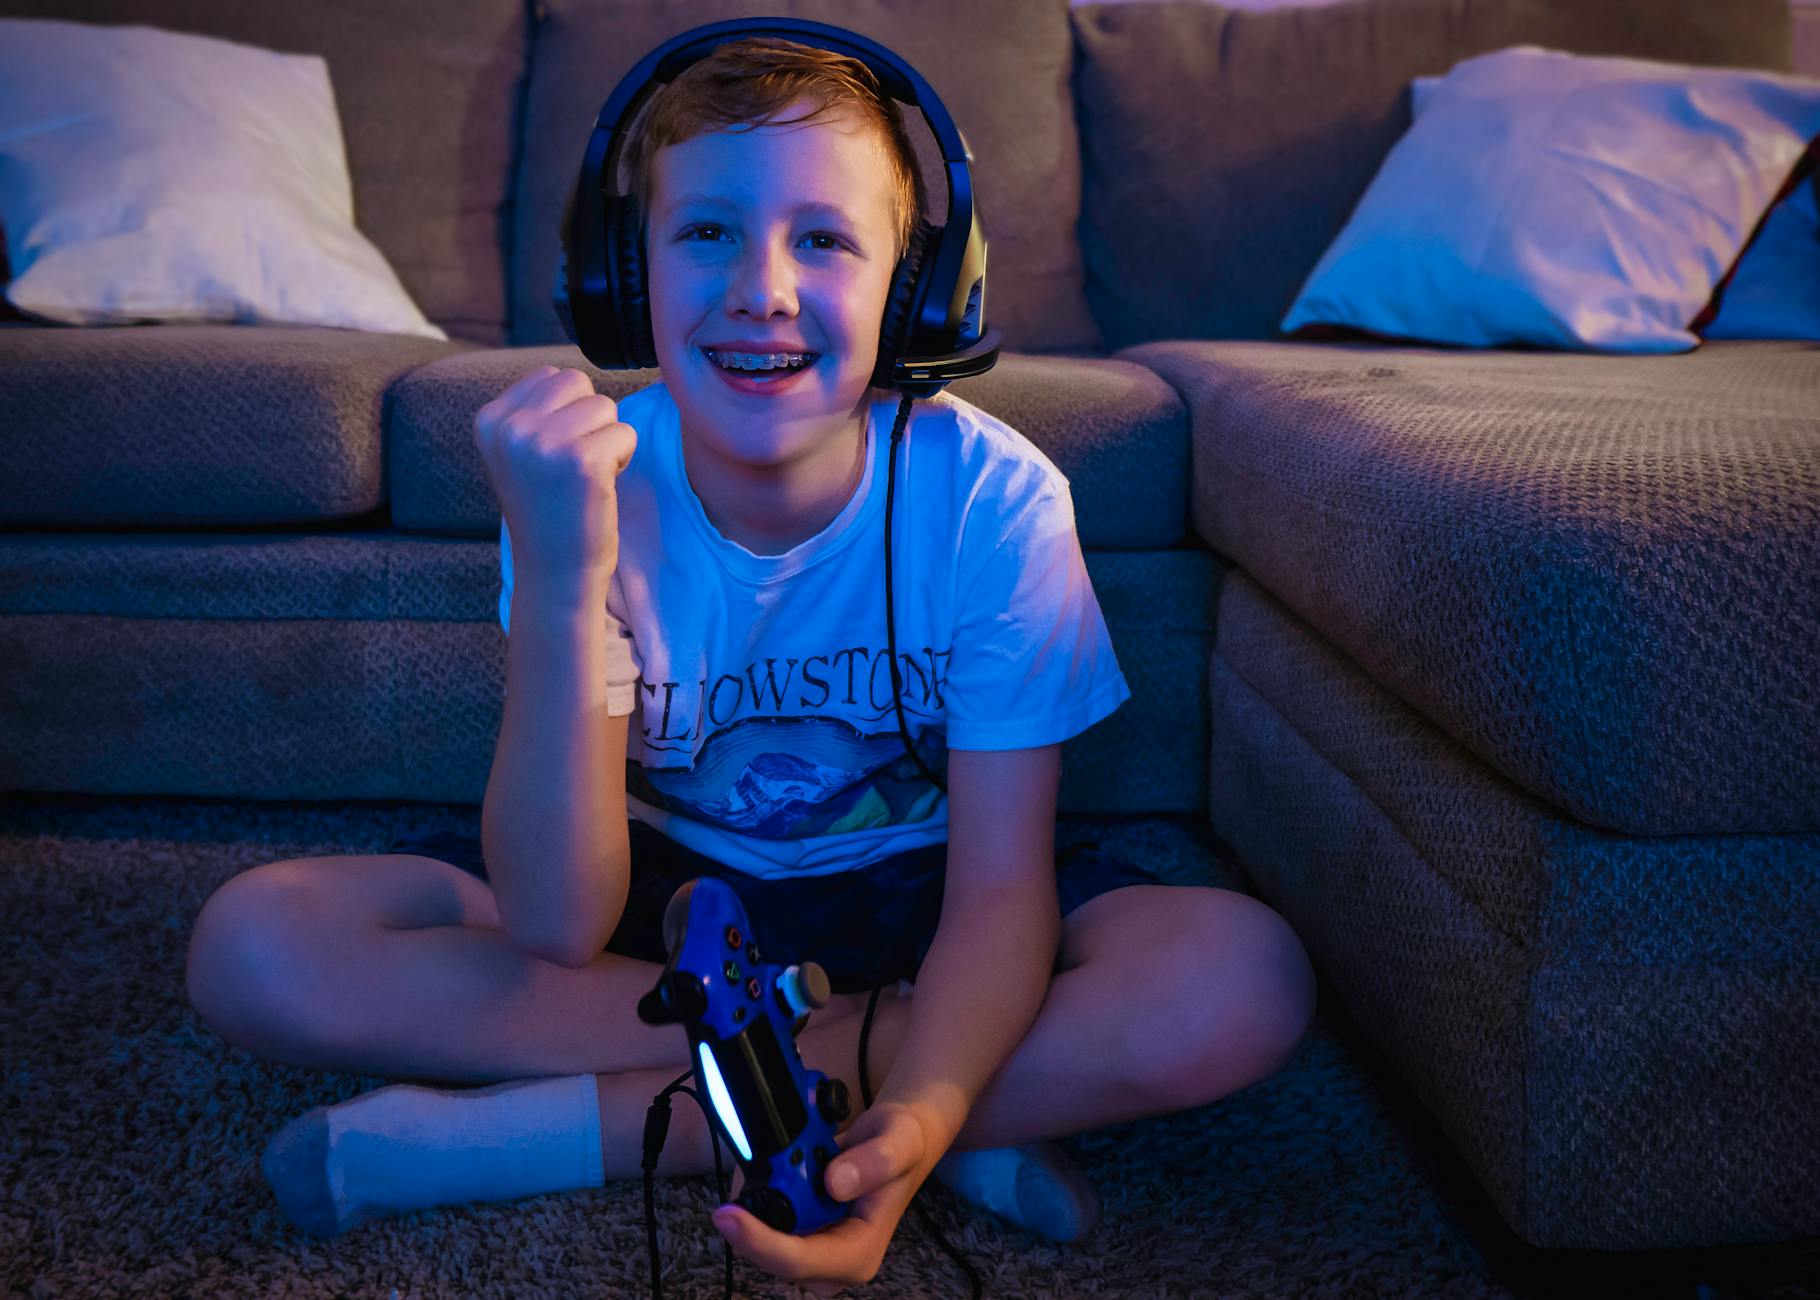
x,y
821,1157
752,955
739,1015
796,1155
769,1206
753,988
832,1100
733,938
689,995
805,987
733,973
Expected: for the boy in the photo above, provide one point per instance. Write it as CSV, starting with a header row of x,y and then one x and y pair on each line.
x,y
731,528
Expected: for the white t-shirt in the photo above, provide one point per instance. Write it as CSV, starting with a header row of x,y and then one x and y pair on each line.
x,y
764,734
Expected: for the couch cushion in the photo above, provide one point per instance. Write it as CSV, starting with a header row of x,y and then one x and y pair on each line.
x,y
1002,69
1115,430
174,425
427,112
362,664
1617,1032
1601,574
1223,150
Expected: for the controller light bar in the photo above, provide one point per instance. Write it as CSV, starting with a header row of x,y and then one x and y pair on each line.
x,y
723,1102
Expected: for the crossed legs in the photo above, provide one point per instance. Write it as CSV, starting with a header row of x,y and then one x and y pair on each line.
x,y
1165,998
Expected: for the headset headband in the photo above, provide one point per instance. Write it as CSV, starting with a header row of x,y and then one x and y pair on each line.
x,y
941,339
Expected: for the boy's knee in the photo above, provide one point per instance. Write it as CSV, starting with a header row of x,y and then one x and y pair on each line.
x,y
1287,992
238,949
1253,999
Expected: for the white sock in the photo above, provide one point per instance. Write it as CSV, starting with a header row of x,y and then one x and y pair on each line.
x,y
408,1147
1035,1186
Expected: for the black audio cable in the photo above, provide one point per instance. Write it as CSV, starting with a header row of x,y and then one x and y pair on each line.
x,y
897,684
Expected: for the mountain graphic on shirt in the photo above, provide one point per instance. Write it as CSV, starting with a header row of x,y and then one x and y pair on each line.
x,y
797,778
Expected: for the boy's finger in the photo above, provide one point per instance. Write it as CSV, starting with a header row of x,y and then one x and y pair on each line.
x,y
542,372
557,392
519,388
864,1168
546,389
835,1252
525,383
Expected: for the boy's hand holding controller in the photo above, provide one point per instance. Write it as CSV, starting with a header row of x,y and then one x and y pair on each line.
x,y
889,1152
553,450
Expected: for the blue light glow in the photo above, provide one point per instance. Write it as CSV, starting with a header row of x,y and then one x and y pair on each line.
x,y
723,1104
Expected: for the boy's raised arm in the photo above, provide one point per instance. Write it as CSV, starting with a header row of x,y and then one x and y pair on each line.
x,y
553,826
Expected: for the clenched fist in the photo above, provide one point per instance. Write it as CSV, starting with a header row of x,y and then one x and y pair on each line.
x,y
553,449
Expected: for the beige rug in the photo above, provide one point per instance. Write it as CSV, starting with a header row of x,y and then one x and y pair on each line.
x,y
130,1133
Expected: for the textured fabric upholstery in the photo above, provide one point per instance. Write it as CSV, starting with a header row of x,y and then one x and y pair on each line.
x,y
426,100
366,665
1224,149
167,426
1600,574
1619,1033
1117,431
1006,85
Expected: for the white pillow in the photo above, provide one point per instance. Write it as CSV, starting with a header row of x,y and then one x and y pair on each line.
x,y
1775,291
1563,201
148,175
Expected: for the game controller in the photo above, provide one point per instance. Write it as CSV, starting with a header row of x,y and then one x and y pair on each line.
x,y
742,1016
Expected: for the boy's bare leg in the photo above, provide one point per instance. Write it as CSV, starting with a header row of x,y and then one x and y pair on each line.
x,y
395,965
1170,998
1167,998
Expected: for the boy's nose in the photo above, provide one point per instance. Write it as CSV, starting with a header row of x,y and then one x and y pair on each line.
x,y
763,281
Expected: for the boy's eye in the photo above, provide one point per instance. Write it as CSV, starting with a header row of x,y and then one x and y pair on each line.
x,y
833,240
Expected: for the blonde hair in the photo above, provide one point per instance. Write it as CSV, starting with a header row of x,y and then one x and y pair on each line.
x,y
749,81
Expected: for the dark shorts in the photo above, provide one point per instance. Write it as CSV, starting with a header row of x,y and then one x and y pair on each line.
x,y
866,928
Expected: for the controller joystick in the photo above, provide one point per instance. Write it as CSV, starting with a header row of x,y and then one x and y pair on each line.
x,y
742,1015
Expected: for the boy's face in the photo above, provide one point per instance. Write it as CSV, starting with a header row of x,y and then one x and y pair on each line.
x,y
734,255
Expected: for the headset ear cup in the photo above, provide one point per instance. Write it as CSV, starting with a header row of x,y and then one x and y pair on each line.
x,y
894,333
631,301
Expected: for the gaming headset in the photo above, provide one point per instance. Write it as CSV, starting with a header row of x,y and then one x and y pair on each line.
x,y
933,330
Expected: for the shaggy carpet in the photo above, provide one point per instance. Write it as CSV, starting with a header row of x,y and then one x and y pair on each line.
x,y
130,1132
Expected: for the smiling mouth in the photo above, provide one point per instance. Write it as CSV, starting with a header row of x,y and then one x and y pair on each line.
x,y
811,359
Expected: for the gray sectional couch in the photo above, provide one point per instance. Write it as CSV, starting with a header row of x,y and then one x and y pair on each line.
x,y
1498,669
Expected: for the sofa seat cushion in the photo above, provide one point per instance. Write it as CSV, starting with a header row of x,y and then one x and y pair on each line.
x,y
180,425
364,664
1616,1032
1115,430
1600,574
